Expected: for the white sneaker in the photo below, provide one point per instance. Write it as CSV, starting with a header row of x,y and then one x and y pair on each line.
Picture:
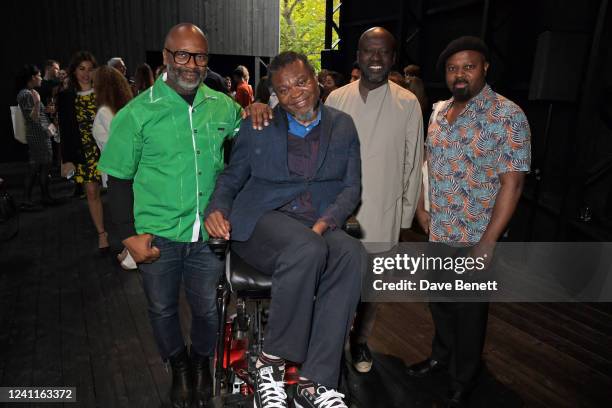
x,y
322,398
270,387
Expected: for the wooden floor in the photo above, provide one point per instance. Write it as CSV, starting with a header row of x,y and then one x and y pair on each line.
x,y
69,317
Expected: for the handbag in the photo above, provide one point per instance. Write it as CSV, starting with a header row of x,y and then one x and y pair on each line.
x,y
19,129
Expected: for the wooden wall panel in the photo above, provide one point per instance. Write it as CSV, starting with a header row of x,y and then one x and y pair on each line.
x,y
41,29
243,27
128,28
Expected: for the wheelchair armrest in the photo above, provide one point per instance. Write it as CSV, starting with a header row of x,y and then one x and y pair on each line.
x,y
352,227
218,246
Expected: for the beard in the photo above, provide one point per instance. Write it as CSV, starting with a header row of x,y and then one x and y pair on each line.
x,y
310,114
176,75
307,116
461,94
374,78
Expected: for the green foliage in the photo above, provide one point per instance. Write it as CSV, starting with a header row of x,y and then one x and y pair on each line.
x,y
303,28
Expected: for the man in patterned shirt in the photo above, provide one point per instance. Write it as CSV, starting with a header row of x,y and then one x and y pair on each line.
x,y
477,152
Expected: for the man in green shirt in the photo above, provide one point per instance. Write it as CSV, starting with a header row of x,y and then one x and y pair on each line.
x,y
166,148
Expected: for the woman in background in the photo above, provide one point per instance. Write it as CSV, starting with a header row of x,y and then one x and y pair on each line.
x,y
76,111
332,80
113,92
38,135
143,79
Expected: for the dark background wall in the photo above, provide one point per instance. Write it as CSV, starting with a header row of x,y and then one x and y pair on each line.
x,y
43,29
132,29
553,58
569,192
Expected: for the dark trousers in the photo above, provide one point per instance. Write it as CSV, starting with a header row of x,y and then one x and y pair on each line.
x,y
316,284
364,322
459,338
40,172
199,269
460,330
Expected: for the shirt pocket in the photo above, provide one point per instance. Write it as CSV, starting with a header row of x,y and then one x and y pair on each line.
x,y
216,134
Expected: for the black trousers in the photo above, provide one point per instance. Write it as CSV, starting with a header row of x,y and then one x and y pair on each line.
x,y
316,283
459,339
460,330
364,322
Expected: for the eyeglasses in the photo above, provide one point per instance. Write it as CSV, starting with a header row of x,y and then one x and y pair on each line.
x,y
183,57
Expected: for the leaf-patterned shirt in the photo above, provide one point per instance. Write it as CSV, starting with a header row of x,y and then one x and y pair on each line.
x,y
490,137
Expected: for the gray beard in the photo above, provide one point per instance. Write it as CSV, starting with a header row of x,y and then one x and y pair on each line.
x,y
175,77
306,117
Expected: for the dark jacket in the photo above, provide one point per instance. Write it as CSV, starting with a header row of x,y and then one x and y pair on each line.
x,y
257,179
69,128
215,81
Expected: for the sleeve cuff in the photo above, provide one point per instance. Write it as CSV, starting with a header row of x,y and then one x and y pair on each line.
x,y
223,211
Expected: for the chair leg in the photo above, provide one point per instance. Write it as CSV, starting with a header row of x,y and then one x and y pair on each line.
x,y
222,299
242,318
259,327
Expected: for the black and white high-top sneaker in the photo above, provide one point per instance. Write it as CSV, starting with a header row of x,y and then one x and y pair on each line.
x,y
270,387
322,398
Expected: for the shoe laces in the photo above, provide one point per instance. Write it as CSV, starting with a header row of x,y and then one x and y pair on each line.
x,y
362,353
272,392
329,398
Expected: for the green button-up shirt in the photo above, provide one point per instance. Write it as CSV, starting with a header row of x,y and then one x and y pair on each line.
x,y
173,152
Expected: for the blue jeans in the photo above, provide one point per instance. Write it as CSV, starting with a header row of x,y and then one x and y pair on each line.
x,y
199,269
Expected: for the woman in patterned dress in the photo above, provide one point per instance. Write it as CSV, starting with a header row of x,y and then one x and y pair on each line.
x,y
37,135
80,154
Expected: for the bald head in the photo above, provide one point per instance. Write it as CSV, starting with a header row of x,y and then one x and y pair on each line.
x,y
186,57
377,33
182,32
375,56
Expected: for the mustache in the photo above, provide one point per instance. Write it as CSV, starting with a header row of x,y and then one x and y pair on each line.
x,y
182,70
178,70
460,81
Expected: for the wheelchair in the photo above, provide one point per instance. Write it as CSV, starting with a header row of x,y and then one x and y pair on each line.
x,y
240,337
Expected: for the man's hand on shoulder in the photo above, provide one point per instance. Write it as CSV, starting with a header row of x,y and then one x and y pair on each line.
x,y
217,226
141,249
260,114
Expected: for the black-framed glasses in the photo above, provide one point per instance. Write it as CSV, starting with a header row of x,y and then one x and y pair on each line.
x,y
182,57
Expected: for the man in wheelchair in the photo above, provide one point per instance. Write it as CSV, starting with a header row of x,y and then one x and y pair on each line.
x,y
281,199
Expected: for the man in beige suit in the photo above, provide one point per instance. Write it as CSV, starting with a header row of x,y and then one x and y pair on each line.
x,y
390,128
